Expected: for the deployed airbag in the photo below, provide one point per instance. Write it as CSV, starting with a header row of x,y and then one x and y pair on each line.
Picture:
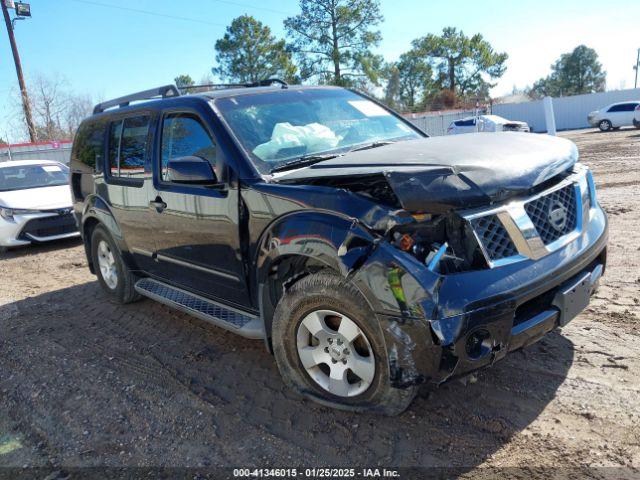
x,y
313,137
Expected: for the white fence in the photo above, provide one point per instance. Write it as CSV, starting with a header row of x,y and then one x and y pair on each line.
x,y
56,151
570,112
435,123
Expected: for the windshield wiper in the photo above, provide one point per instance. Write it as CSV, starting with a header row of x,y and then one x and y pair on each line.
x,y
303,162
377,144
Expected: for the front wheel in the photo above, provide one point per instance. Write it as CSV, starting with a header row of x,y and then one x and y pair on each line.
x,y
605,125
329,347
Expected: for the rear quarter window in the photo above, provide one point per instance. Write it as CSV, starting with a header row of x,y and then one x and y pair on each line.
x,y
88,147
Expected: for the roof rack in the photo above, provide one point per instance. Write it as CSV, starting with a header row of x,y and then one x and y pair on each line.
x,y
164,92
219,86
172,91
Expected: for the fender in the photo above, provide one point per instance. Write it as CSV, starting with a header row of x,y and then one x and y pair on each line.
x,y
385,276
393,282
96,209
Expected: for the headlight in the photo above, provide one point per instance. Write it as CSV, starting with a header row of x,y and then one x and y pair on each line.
x,y
441,244
8,213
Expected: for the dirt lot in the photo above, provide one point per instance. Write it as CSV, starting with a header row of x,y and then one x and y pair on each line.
x,y
86,382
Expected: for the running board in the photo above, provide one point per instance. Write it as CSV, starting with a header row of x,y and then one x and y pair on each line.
x,y
242,323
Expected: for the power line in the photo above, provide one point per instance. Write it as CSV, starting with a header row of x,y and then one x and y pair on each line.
x,y
147,12
177,17
244,5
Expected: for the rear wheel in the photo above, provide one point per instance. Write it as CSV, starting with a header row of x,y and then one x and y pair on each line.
x,y
605,125
329,347
113,274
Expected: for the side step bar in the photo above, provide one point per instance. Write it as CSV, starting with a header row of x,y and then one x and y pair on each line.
x,y
242,323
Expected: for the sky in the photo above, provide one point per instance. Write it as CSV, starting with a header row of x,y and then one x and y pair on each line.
x,y
108,48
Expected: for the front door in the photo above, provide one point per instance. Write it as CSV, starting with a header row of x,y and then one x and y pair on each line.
x,y
196,226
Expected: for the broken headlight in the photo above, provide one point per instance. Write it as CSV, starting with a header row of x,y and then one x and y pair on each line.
x,y
444,244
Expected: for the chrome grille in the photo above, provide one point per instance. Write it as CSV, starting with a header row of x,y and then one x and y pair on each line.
x,y
554,215
494,237
536,226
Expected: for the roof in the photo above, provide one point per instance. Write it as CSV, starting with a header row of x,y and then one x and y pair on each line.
x,y
20,163
206,96
107,108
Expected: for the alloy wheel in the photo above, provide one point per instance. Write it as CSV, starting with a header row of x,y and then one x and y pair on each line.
x,y
107,264
335,353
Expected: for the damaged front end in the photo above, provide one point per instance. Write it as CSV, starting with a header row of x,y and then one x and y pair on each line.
x,y
463,263
456,291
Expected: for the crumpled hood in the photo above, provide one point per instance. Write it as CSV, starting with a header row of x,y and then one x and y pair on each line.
x,y
439,174
44,198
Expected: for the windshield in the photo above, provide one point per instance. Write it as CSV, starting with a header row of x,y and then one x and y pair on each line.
x,y
22,177
281,126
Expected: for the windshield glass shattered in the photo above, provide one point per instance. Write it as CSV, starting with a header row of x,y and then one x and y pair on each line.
x,y
278,127
22,177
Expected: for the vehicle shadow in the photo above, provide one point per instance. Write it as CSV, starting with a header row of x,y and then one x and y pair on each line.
x,y
37,248
95,379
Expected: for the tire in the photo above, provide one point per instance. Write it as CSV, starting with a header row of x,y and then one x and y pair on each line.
x,y
605,125
332,299
119,281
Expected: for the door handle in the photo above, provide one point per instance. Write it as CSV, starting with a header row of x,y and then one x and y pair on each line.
x,y
158,204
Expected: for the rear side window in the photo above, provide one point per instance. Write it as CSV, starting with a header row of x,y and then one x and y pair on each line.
x,y
623,107
466,123
88,146
184,135
128,147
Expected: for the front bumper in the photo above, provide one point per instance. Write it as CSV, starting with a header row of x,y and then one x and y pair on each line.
x,y
36,227
504,309
450,325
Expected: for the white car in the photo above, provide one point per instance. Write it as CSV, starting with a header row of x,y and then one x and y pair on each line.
x,y
486,123
35,203
614,116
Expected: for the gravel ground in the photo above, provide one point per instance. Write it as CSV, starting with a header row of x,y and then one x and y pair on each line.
x,y
85,382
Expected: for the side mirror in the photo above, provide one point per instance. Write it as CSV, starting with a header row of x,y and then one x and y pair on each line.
x,y
191,170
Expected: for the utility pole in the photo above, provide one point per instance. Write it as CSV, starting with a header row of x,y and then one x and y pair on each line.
x,y
26,106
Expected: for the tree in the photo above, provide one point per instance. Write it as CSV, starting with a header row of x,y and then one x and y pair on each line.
x,y
49,103
183,81
414,79
464,65
333,39
391,75
248,52
79,107
573,73
57,111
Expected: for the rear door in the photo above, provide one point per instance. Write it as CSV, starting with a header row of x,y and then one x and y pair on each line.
x,y
621,114
128,182
197,243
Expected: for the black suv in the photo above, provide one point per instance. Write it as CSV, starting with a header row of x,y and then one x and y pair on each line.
x,y
368,257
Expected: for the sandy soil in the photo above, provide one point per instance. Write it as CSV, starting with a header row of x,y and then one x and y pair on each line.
x,y
86,382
